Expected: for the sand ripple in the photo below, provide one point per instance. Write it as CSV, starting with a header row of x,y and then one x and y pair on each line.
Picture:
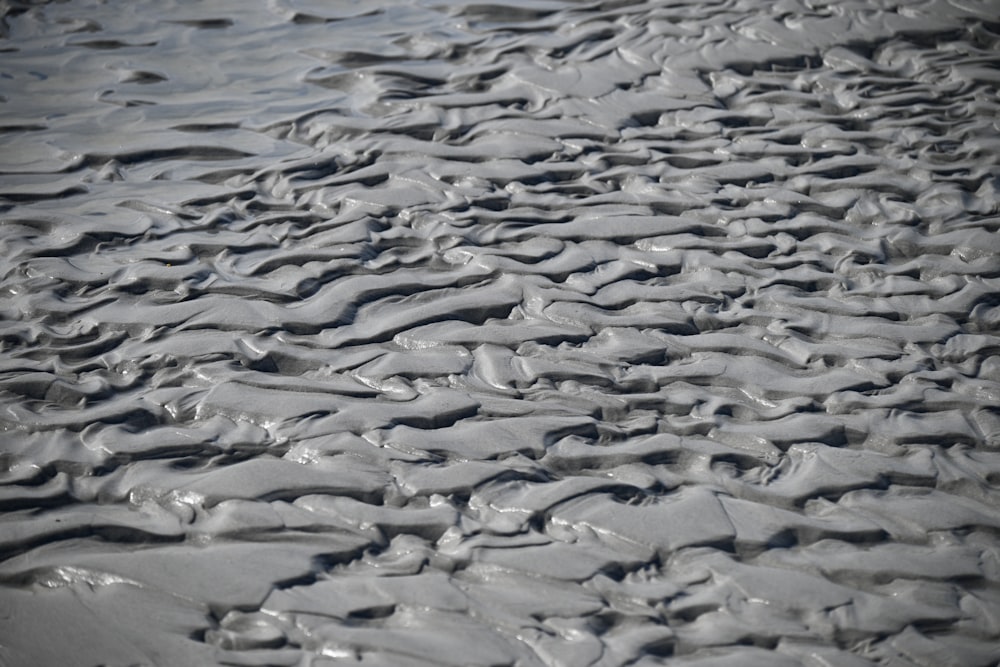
x,y
537,333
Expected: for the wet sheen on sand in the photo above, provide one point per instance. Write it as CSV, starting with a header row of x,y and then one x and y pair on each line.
x,y
424,332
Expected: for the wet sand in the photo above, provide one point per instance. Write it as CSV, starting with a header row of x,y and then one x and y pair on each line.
x,y
543,333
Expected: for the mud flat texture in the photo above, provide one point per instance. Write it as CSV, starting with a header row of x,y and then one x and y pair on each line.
x,y
423,332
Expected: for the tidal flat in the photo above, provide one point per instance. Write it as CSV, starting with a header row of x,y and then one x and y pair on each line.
x,y
415,333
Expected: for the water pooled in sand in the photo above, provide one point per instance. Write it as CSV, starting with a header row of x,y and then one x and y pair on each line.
x,y
540,333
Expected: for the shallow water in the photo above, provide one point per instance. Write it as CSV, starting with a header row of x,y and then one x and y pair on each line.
x,y
544,333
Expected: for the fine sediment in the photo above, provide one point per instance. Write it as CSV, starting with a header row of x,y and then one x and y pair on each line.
x,y
546,333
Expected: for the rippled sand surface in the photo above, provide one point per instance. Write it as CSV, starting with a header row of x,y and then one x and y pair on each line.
x,y
424,332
